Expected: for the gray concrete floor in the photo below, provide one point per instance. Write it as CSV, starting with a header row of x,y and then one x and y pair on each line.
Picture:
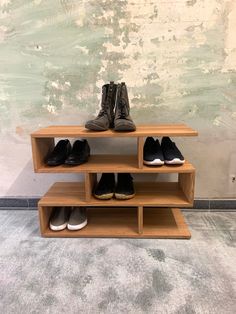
x,y
39,275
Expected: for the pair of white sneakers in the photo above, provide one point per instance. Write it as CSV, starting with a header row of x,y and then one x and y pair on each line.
x,y
74,218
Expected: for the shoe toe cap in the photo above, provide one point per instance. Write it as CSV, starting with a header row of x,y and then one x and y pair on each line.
x,y
124,125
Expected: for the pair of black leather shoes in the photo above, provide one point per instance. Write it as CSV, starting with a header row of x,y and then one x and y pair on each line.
x,y
63,153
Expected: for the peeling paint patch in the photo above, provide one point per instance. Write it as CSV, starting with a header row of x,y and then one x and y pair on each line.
x,y
191,2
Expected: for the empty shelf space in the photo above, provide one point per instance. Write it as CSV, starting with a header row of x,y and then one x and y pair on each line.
x,y
164,223
64,194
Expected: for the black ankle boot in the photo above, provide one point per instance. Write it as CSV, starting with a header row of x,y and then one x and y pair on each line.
x,y
106,186
105,118
123,121
124,188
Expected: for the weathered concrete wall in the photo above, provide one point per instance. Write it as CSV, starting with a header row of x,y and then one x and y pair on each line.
x,y
178,58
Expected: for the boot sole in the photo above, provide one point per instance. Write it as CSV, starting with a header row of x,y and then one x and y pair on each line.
x,y
54,164
68,163
124,128
124,196
104,196
94,127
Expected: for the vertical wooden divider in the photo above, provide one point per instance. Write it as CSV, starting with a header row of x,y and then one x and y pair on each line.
x,y
44,217
90,181
140,151
187,183
140,219
40,149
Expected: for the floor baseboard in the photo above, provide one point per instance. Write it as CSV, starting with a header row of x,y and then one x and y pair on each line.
x,y
199,204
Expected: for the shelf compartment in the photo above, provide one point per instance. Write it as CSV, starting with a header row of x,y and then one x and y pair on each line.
x,y
162,194
114,163
43,142
122,222
164,223
102,222
141,131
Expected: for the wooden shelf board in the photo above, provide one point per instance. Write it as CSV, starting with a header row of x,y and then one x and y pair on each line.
x,y
163,194
61,131
122,223
164,223
115,163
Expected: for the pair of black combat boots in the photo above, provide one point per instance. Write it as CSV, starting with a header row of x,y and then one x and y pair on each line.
x,y
115,110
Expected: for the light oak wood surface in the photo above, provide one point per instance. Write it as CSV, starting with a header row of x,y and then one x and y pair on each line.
x,y
143,216
115,163
163,194
142,130
122,223
140,219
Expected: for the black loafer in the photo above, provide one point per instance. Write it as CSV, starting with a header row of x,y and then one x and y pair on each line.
x,y
79,153
59,153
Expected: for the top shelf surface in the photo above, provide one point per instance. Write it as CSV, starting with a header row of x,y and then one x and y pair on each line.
x,y
142,130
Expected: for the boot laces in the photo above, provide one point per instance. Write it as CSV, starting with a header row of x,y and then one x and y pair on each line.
x,y
122,109
105,103
103,111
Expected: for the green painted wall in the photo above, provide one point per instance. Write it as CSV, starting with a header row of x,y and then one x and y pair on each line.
x,y
178,59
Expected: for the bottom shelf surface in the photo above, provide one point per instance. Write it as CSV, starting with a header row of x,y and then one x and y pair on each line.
x,y
122,222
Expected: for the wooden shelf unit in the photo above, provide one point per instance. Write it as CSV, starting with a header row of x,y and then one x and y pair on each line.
x,y
153,212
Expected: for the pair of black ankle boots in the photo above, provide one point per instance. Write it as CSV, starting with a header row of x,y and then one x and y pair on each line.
x,y
115,110
108,188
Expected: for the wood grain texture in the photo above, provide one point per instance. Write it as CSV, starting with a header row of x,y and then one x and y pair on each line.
x,y
142,130
187,183
164,223
117,218
140,219
115,163
90,181
40,149
163,194
122,223
44,217
140,143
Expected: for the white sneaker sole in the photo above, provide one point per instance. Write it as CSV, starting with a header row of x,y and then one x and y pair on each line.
x,y
175,161
77,227
155,162
58,228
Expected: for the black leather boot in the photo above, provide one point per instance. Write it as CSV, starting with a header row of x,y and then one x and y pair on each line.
x,y
123,121
124,188
105,118
106,186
